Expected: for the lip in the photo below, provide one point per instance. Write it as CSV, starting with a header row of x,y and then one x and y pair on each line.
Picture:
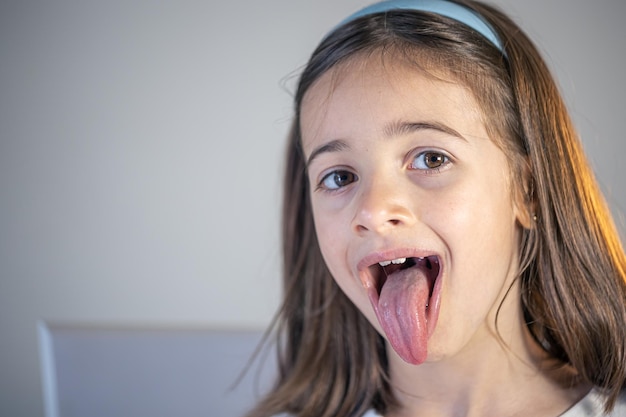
x,y
363,266
372,287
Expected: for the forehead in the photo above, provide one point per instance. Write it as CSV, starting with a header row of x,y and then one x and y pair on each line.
x,y
364,94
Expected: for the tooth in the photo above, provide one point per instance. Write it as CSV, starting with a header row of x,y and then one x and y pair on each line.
x,y
384,263
398,261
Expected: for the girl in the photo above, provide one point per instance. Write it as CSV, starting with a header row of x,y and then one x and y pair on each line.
x,y
446,249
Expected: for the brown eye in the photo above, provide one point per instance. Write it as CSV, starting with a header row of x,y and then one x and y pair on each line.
x,y
434,160
429,161
337,179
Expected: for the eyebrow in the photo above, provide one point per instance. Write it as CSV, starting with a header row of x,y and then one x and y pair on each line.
x,y
332,146
400,128
393,129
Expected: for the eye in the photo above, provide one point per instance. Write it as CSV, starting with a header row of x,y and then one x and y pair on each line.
x,y
337,179
429,160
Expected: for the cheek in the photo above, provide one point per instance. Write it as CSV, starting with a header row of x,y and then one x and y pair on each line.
x,y
480,228
477,221
332,236
480,205
329,237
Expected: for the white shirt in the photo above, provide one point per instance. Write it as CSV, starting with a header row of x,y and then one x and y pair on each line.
x,y
591,405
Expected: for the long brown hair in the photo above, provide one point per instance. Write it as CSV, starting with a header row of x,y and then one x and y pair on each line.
x,y
573,267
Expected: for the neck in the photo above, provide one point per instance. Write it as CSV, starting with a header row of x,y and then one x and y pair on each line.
x,y
502,373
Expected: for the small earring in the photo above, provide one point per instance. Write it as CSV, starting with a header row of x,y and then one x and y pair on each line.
x,y
534,217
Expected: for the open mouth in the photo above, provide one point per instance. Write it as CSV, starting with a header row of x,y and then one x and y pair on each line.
x,y
405,294
428,265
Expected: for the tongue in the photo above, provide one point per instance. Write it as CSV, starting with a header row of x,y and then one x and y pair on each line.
x,y
401,311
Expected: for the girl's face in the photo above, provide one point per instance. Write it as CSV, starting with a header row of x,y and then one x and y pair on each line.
x,y
413,207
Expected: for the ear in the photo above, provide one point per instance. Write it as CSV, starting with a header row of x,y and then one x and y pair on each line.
x,y
524,199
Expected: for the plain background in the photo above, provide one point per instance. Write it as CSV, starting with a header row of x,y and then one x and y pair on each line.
x,y
140,154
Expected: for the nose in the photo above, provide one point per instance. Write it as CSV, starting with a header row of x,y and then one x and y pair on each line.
x,y
382,206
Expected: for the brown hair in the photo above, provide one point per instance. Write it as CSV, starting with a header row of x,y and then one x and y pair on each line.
x,y
573,267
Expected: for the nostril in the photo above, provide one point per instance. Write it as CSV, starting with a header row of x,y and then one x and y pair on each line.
x,y
376,212
364,227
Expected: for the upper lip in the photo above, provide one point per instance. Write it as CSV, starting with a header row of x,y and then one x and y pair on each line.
x,y
391,254
363,266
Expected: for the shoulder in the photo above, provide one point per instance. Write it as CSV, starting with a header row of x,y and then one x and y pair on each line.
x,y
592,405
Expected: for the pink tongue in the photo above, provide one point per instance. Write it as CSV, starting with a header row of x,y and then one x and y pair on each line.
x,y
401,312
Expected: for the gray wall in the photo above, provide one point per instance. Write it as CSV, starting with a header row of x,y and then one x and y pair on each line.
x,y
140,154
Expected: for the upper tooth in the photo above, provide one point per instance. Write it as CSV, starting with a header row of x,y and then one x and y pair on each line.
x,y
393,261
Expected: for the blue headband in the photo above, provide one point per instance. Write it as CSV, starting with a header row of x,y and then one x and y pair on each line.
x,y
441,7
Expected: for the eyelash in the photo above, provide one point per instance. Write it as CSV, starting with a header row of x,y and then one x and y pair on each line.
x,y
341,174
443,160
334,175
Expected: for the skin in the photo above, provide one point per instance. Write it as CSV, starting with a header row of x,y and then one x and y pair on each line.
x,y
437,186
